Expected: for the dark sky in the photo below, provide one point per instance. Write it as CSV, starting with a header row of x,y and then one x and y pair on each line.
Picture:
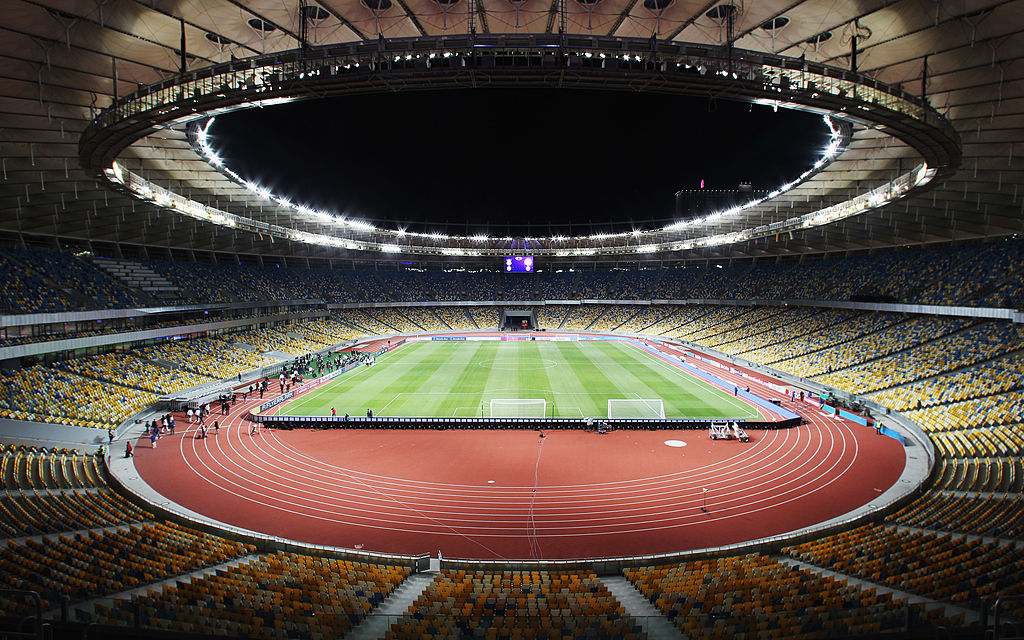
x,y
493,158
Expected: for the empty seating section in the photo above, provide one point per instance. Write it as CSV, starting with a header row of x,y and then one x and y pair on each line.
x,y
139,277
791,323
486,318
550,316
455,318
100,289
835,346
1006,440
34,513
943,566
515,604
959,273
365,323
802,337
754,596
711,323
100,562
424,318
752,322
671,317
25,468
355,319
1000,409
206,356
988,378
987,514
23,290
45,394
324,332
126,369
391,319
991,475
919,360
280,339
613,316
582,316
980,274
647,319
273,596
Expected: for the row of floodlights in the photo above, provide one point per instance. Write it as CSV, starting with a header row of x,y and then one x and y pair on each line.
x,y
457,420
264,193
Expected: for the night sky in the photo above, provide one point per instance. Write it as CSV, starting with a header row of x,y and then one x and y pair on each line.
x,y
492,160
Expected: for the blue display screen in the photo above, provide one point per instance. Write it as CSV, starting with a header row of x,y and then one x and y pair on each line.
x,y
519,264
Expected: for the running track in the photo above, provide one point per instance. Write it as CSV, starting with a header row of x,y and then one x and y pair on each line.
x,y
513,494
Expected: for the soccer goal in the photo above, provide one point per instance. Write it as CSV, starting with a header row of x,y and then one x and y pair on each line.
x,y
518,408
636,408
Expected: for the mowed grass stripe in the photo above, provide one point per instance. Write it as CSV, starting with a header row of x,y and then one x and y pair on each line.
x,y
701,392
573,396
650,380
453,379
592,373
426,388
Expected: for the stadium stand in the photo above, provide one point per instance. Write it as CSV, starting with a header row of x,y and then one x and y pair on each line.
x,y
527,604
756,596
982,274
276,595
486,318
43,394
938,565
125,369
919,350
961,380
25,291
454,318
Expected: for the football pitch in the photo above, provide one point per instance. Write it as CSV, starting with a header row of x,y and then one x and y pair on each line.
x,y
459,379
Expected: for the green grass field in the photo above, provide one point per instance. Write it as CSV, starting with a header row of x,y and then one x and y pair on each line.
x,y
458,379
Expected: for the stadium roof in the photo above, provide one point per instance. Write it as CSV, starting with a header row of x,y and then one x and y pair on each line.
x,y
59,58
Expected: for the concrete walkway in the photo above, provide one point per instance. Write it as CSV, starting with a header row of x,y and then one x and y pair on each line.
x,y
375,625
653,622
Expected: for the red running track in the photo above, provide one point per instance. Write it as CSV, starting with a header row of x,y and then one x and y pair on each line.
x,y
513,494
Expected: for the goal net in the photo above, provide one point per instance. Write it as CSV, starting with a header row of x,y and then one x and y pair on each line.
x,y
518,408
636,408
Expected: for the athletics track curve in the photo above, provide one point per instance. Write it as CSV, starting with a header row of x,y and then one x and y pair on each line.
x,y
514,494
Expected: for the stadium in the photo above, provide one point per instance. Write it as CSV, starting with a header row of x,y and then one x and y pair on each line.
x,y
511,319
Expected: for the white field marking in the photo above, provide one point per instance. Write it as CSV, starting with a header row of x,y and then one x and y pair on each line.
x,y
817,425
584,520
847,429
389,403
310,395
591,531
274,459
512,366
684,373
315,393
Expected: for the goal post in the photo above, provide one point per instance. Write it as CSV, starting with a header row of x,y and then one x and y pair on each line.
x,y
650,408
518,408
